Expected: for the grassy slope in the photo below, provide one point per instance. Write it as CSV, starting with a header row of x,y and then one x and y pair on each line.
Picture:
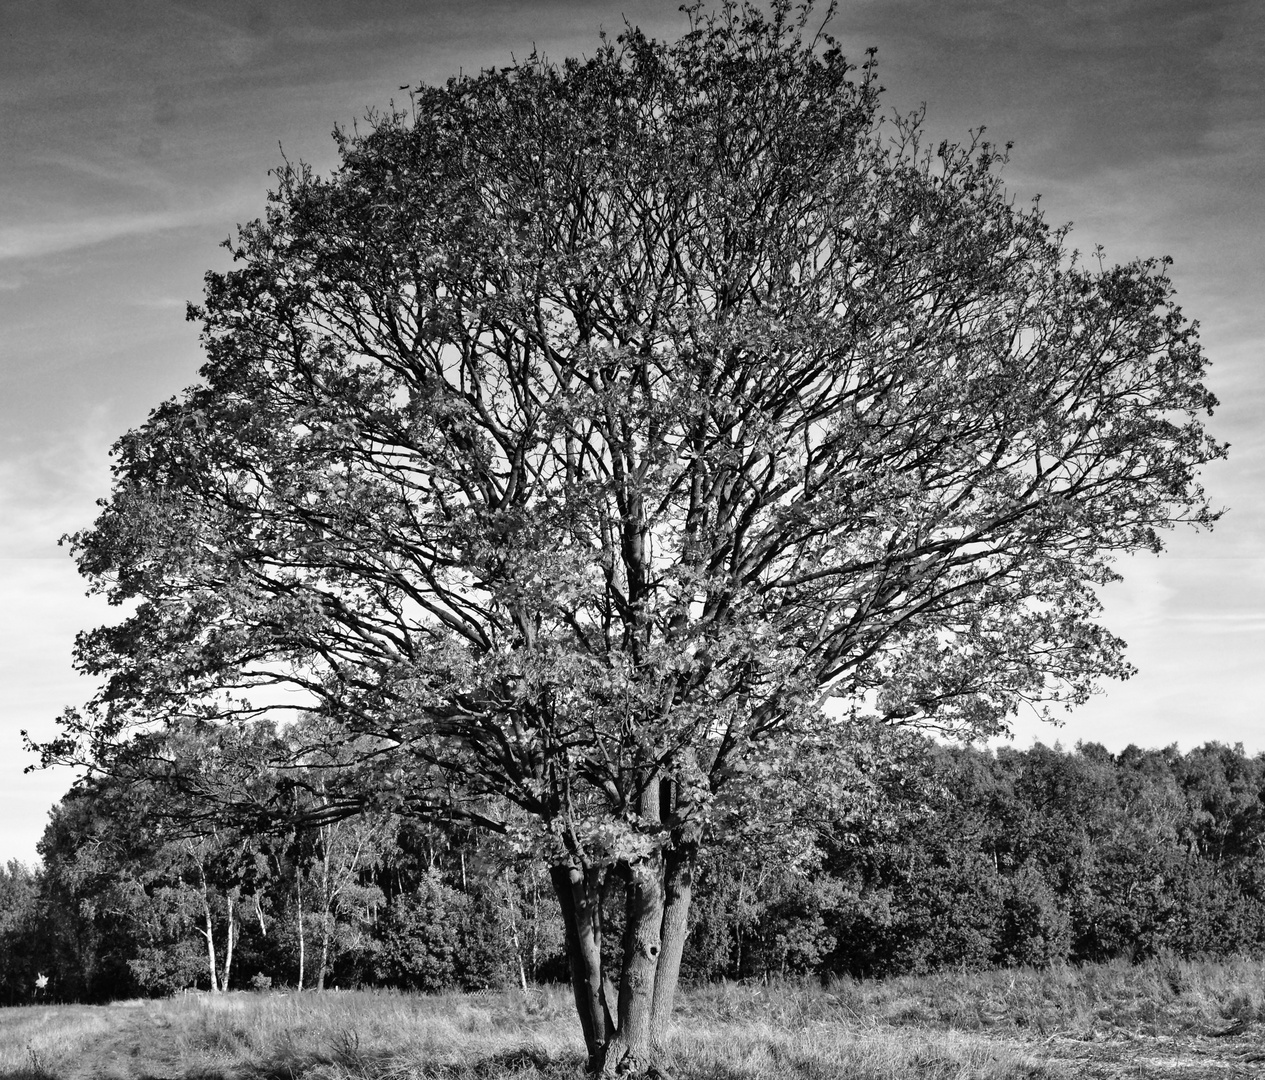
x,y
1164,1019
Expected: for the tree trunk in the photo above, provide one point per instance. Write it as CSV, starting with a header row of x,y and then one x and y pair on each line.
x,y
657,897
630,1052
579,896
298,889
230,940
209,934
327,923
535,925
518,948
678,891
326,834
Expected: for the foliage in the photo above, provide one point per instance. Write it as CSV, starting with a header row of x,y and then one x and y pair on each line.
x,y
1043,856
417,949
168,965
1016,858
19,913
84,901
126,908
522,419
591,425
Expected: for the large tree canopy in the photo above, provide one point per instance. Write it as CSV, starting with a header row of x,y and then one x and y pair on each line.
x,y
592,424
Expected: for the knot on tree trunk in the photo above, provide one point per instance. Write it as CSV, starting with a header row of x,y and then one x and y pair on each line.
x,y
648,945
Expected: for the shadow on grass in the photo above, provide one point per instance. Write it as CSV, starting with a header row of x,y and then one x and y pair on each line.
x,y
518,1064
34,1069
524,1063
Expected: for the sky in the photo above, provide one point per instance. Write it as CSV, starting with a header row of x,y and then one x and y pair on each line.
x,y
136,134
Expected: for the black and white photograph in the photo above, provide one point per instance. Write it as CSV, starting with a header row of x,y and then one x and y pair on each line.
x,y
620,538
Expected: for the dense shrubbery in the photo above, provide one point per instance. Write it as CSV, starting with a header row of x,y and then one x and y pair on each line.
x,y
976,859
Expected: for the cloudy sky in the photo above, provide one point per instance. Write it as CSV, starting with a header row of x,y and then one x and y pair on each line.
x,y
136,133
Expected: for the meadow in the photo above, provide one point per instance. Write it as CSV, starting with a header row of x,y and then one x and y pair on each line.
x,y
1166,1018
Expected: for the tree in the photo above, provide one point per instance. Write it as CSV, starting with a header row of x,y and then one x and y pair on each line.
x,y
593,424
417,946
20,946
87,897
344,851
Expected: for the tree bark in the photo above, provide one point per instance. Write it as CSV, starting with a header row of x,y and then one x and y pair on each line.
x,y
579,896
678,892
659,887
631,1052
298,889
535,925
326,835
326,923
230,939
518,948
209,934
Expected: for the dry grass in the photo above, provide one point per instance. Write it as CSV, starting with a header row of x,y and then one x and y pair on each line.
x,y
310,1035
1166,1019
1166,996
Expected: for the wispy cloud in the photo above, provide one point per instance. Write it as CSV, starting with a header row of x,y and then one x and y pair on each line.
x,y
159,303
1101,84
49,490
35,239
1228,623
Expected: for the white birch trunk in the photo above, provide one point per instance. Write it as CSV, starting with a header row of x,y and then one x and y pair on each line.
x,y
298,888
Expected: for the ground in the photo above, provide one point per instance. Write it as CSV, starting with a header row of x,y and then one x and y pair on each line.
x,y
1163,1057
1167,1020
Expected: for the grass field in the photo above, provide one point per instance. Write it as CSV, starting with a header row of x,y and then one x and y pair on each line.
x,y
1165,1019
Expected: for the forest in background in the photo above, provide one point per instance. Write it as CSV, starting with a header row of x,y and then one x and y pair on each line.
x,y
962,858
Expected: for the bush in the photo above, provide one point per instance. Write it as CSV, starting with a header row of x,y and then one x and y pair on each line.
x,y
418,937
1036,929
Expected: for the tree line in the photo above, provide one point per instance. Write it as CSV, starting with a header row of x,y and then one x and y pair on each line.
x,y
974,858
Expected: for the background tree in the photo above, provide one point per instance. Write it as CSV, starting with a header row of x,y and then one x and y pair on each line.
x,y
87,897
934,858
593,424
343,852
21,955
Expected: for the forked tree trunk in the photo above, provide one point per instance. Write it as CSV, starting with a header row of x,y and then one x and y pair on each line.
x,y
633,1041
626,1035
209,930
